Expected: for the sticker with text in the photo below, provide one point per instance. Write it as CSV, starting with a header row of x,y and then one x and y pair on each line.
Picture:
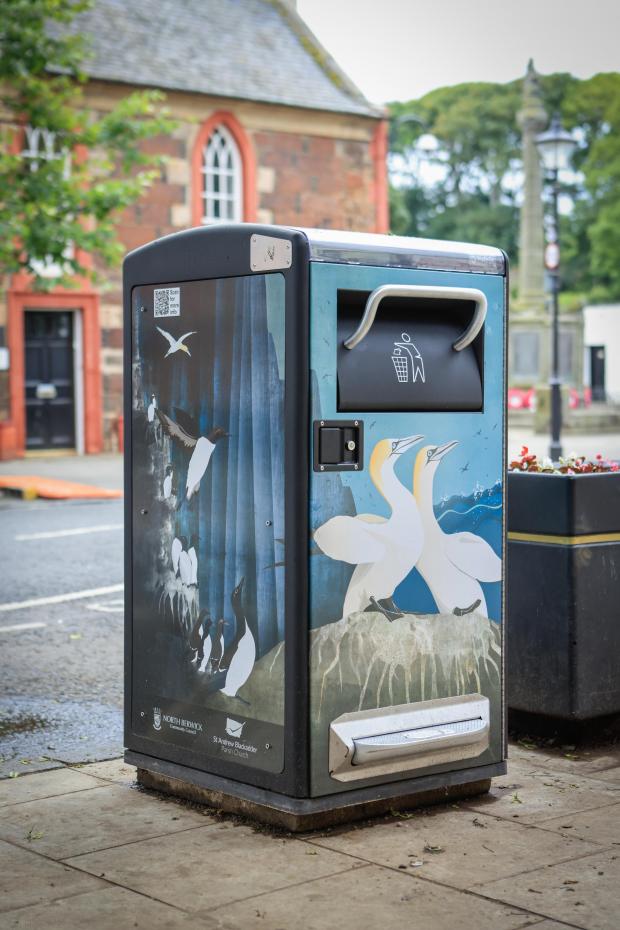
x,y
167,301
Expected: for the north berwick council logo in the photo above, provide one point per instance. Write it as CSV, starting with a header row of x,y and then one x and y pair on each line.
x,y
157,718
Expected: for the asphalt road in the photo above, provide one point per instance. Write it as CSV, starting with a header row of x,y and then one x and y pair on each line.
x,y
61,632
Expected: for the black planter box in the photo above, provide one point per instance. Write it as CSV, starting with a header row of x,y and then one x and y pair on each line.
x,y
563,595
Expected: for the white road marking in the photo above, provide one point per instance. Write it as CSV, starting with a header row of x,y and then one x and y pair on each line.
x,y
16,627
117,606
78,531
60,598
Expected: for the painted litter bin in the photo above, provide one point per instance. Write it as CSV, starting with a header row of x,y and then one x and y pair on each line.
x,y
314,517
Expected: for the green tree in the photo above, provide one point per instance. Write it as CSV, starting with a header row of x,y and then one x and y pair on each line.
x,y
53,206
471,169
593,106
476,146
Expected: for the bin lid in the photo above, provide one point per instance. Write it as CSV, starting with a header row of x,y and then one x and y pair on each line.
x,y
333,245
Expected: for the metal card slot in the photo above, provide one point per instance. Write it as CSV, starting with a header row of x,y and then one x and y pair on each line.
x,y
421,739
408,737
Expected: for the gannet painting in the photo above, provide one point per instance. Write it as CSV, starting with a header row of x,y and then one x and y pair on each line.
x,y
383,551
451,564
175,345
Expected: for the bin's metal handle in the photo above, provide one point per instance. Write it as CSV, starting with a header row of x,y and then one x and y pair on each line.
x,y
416,290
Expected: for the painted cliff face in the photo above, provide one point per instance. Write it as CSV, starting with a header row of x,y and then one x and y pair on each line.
x,y
406,555
208,401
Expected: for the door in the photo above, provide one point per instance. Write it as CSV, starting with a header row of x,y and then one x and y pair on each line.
x,y
597,372
49,387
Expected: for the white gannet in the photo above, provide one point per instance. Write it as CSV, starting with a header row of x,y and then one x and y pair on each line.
x,y
239,657
168,482
193,558
451,564
384,550
176,345
186,431
175,551
150,411
185,567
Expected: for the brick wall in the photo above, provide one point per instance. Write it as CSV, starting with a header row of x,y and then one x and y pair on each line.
x,y
315,181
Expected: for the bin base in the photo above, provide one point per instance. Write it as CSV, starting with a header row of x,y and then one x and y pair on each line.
x,y
301,814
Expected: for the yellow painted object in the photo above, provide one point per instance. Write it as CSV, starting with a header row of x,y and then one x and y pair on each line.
x,y
549,539
29,487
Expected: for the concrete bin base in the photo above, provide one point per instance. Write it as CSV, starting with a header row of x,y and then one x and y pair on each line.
x,y
301,814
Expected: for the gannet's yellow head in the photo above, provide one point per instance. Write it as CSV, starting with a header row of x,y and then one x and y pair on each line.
x,y
426,464
386,449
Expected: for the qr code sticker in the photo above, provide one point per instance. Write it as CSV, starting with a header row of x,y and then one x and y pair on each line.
x,y
167,301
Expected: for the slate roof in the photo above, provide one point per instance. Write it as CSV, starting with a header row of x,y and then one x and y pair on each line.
x,y
249,49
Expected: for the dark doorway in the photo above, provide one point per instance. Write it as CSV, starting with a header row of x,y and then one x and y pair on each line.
x,y
597,372
50,404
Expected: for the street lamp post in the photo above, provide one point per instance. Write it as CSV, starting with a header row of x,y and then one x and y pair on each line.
x,y
555,146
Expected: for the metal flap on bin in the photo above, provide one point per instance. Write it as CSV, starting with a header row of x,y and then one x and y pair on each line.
x,y
408,737
414,349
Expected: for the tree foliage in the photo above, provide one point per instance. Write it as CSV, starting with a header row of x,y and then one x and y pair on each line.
x,y
54,207
456,169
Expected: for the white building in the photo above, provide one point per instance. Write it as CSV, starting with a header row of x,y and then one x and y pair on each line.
x,y
601,370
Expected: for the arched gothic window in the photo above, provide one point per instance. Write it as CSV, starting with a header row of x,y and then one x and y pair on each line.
x,y
222,178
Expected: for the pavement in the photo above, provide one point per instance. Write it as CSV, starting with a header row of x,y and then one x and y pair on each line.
x,y
105,471
83,846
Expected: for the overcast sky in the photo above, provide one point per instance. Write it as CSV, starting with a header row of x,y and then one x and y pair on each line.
x,y
401,49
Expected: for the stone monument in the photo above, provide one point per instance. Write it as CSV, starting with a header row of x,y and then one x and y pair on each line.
x,y
530,317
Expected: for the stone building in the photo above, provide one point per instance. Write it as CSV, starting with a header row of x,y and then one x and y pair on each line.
x,y
268,129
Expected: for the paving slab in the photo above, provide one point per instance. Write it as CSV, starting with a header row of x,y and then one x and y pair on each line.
x,y
27,878
584,893
533,797
586,761
369,897
552,925
611,775
102,817
600,825
48,784
458,848
106,909
206,868
115,770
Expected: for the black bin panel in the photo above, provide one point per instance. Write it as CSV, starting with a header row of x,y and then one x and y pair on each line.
x,y
407,360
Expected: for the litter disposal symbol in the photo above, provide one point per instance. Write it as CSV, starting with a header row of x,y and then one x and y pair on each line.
x,y
408,363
